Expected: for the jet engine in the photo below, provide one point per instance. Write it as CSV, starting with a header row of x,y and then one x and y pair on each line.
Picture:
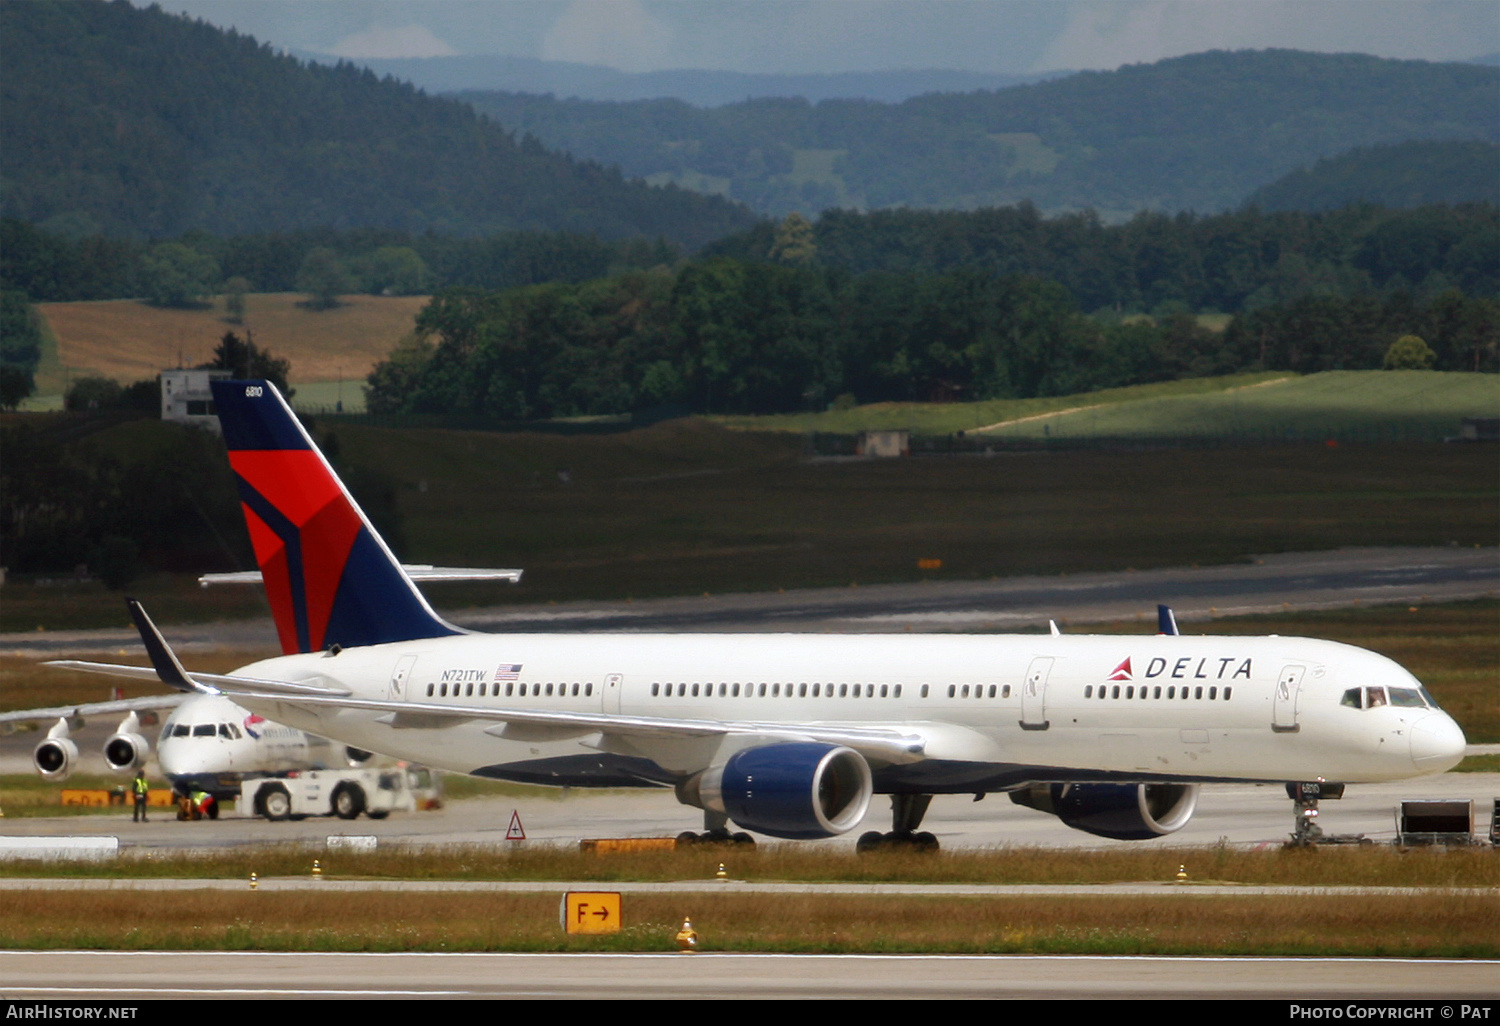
x,y
1125,812
357,757
56,756
127,749
798,790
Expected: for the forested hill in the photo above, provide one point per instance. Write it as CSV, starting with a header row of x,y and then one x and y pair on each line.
x,y
1402,175
1192,133
136,122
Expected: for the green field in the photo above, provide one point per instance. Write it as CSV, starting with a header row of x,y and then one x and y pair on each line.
x,y
1383,403
687,507
1378,404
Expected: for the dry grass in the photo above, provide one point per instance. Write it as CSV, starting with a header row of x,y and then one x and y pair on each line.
x,y
129,340
1436,924
1366,866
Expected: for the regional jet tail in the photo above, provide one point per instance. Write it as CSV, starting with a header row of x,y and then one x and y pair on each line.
x,y
788,735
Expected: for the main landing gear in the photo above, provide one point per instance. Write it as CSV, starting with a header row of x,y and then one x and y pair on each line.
x,y
907,811
715,831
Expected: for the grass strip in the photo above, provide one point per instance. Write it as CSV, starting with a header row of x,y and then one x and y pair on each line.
x,y
1354,866
1435,924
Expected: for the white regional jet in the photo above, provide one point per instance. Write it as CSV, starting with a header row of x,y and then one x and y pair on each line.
x,y
788,735
207,742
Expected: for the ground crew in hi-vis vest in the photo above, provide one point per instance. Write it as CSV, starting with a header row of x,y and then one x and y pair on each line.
x,y
140,789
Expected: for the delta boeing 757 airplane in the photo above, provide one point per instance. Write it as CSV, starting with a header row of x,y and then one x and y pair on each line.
x,y
786,735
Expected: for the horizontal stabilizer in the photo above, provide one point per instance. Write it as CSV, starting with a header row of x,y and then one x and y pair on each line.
x,y
416,571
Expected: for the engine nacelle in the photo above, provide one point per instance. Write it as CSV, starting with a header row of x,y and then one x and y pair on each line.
x,y
798,789
1125,812
56,756
124,752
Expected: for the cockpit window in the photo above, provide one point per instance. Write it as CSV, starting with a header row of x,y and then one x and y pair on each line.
x,y
204,730
180,730
1374,698
229,731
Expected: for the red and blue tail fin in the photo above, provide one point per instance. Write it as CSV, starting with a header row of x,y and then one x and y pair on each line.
x,y
329,577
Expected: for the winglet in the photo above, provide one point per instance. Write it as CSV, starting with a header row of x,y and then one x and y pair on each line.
x,y
1166,620
163,660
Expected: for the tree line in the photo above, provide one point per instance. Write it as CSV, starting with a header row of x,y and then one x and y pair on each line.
x,y
1223,263
54,266
729,336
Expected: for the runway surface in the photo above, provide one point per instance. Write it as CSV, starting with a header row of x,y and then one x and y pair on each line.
x,y
126,976
1240,814
1266,584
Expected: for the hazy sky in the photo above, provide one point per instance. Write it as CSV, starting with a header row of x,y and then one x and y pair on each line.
x,y
799,36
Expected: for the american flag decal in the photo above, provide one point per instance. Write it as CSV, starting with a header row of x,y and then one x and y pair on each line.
x,y
508,671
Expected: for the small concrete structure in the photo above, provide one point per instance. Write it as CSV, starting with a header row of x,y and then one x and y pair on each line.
x,y
187,398
1480,429
59,847
883,443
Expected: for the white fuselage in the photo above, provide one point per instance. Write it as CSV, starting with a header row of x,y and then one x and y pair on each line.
x,y
996,711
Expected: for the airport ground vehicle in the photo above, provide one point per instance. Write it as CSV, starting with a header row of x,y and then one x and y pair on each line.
x,y
343,793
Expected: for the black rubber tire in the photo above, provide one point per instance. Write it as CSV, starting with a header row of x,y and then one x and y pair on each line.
x,y
348,801
275,803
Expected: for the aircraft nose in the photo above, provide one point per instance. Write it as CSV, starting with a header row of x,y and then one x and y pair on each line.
x,y
1437,743
167,758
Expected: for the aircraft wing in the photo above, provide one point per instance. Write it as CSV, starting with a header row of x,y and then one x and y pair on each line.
x,y
204,682
115,707
883,744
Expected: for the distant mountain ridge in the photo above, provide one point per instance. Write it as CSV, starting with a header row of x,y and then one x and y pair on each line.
x,y
135,122
564,79
1199,132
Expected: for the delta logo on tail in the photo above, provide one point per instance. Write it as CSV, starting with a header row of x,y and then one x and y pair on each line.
x,y
328,576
